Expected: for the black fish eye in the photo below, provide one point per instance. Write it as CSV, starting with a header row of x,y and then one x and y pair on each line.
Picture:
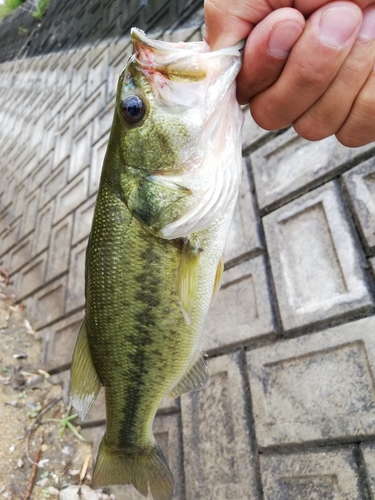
x,y
133,108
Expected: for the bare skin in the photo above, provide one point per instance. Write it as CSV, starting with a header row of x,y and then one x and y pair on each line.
x,y
310,63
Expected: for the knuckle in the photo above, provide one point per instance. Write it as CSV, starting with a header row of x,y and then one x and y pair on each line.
x,y
312,129
309,76
349,140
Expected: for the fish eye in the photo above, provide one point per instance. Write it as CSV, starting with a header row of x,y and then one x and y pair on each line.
x,y
133,108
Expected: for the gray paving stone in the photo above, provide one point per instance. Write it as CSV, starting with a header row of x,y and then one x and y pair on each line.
x,y
118,46
289,164
59,103
98,153
244,234
9,237
11,181
53,184
58,257
72,195
360,183
329,474
116,68
98,69
242,310
82,220
59,340
72,106
49,136
251,132
41,172
316,263
29,216
43,228
80,69
20,255
80,152
29,164
103,122
62,75
76,279
31,277
63,146
218,458
315,388
20,195
368,453
93,106
49,303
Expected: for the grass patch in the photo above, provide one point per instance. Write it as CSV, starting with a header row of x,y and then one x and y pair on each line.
x,y
42,8
9,6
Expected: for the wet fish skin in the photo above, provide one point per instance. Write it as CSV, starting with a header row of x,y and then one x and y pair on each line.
x,y
154,255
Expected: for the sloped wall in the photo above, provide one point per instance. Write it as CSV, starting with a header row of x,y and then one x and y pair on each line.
x,y
290,409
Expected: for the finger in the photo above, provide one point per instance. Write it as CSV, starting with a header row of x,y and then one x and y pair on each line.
x,y
330,111
229,22
359,128
307,7
313,63
267,50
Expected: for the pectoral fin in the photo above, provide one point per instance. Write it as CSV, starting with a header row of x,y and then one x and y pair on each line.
x,y
84,381
187,279
218,279
195,378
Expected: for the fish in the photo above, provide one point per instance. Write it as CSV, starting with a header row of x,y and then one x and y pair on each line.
x,y
154,258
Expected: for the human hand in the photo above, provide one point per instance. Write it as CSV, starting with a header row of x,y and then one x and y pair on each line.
x,y
318,74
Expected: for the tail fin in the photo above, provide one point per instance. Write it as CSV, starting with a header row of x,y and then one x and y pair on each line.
x,y
144,470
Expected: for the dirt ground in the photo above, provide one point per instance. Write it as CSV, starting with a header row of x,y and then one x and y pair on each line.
x,y
27,401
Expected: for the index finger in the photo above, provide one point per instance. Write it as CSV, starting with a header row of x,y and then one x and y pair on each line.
x,y
229,22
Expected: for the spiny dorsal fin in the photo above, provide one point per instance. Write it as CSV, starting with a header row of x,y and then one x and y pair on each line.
x,y
218,279
194,379
187,278
84,381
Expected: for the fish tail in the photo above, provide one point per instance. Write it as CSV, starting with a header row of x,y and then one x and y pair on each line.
x,y
144,470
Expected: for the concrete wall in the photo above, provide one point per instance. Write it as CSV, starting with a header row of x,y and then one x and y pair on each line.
x,y
290,409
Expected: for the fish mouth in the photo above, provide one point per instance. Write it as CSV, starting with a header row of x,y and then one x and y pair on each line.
x,y
139,37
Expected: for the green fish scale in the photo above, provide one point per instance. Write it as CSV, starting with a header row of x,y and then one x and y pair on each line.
x,y
139,341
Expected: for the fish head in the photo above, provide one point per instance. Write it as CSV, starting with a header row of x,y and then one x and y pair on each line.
x,y
175,113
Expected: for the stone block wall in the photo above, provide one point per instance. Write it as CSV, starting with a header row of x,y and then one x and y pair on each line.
x,y
289,412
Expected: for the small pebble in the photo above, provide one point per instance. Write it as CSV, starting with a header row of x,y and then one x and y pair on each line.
x,y
12,448
44,447
74,472
19,356
69,493
53,491
42,482
19,463
88,494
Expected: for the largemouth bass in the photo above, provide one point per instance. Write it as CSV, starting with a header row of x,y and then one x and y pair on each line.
x,y
167,193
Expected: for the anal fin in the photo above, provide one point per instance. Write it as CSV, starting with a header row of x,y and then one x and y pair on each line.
x,y
84,381
194,379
